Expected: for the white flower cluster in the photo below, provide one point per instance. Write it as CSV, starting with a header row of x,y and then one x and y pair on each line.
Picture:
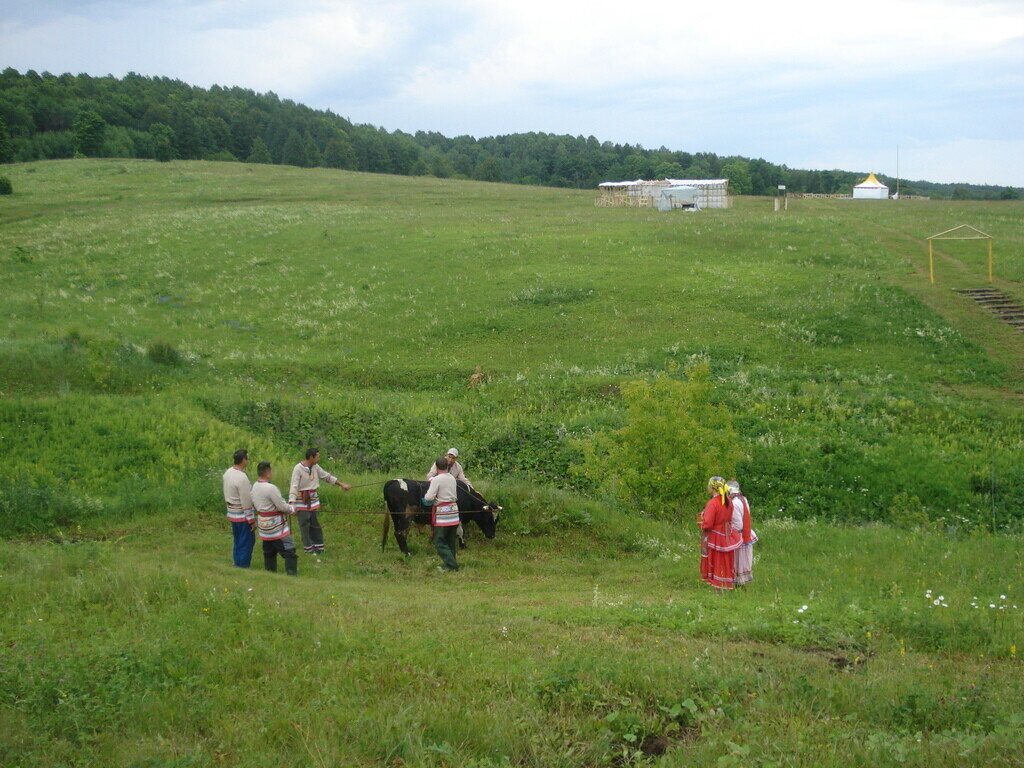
x,y
1002,606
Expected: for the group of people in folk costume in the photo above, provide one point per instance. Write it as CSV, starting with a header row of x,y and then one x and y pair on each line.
x,y
727,540
260,509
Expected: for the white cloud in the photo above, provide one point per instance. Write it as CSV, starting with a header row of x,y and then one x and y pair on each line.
x,y
798,82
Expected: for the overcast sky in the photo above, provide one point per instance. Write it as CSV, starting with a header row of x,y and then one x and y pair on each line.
x,y
808,83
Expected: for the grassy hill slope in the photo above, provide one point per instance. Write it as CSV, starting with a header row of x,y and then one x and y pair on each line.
x,y
156,317
349,310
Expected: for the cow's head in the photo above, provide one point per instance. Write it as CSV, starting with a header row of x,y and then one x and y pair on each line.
x,y
487,518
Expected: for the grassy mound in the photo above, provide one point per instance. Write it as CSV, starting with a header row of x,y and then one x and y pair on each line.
x,y
157,316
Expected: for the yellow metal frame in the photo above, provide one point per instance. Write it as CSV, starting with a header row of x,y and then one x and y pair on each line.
x,y
948,235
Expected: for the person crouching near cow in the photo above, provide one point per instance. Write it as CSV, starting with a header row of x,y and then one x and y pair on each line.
x,y
272,522
304,493
442,495
456,471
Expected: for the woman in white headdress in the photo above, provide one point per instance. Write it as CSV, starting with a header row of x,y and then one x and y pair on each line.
x,y
741,522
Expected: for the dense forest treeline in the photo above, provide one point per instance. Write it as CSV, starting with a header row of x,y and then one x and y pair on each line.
x,y
45,116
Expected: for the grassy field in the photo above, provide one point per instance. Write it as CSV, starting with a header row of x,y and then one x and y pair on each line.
x,y
595,649
158,316
351,310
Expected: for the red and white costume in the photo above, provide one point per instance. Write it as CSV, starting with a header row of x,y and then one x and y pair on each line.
x,y
745,554
719,543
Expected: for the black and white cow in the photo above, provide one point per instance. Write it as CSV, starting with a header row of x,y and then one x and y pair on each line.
x,y
403,498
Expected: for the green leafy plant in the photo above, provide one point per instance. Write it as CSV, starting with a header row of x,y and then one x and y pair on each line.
x,y
676,436
164,353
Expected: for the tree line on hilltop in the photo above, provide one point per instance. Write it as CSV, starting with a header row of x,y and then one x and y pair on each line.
x,y
45,116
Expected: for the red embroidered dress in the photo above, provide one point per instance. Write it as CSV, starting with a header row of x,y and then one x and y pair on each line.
x,y
718,544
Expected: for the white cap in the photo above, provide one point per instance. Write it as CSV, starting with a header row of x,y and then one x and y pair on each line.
x,y
453,452
733,486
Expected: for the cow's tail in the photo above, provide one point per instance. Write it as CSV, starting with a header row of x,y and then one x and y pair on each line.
x,y
384,536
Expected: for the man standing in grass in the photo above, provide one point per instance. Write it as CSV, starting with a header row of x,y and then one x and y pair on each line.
x,y
443,495
456,471
304,494
275,533
238,497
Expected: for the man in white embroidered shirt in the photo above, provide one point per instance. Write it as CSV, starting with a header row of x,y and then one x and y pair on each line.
x,y
238,499
303,494
275,533
454,468
443,495
456,471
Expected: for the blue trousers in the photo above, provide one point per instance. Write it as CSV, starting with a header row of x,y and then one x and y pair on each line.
x,y
245,539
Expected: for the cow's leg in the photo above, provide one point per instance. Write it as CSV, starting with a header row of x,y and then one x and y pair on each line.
x,y
401,533
413,510
461,533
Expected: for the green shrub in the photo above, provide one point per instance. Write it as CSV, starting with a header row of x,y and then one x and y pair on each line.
x,y
675,438
6,188
907,511
164,353
42,510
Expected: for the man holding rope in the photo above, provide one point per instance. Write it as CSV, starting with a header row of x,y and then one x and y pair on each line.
x,y
303,493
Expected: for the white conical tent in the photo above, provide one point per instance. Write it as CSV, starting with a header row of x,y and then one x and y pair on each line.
x,y
871,189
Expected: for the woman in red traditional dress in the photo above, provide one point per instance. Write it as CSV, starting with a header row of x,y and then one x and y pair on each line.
x,y
719,540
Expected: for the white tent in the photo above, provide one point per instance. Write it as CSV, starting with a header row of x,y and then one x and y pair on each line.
x,y
672,198
707,193
711,193
871,189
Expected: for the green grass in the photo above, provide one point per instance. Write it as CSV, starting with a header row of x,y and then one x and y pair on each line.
x,y
158,316
350,309
148,650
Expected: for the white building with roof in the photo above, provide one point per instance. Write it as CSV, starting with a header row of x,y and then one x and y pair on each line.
x,y
675,193
871,189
